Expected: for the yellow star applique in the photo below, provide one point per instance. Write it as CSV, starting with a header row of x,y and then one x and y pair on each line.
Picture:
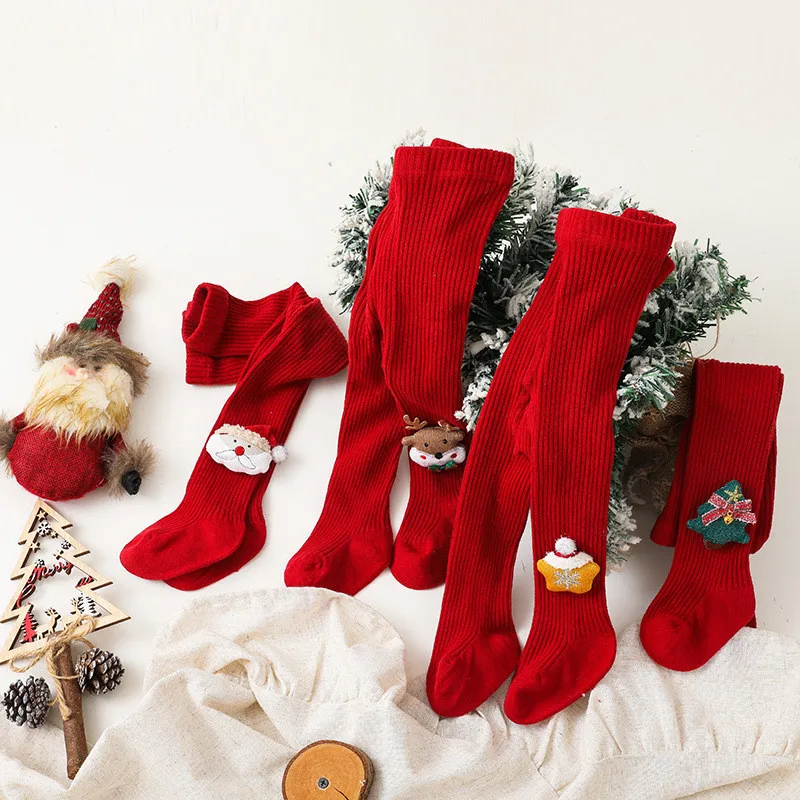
x,y
734,495
577,581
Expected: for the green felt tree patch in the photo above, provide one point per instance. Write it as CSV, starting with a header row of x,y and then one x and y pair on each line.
x,y
723,517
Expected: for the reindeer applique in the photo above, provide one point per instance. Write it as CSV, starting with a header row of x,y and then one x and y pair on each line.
x,y
436,447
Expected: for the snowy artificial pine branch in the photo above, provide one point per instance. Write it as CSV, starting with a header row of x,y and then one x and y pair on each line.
x,y
699,293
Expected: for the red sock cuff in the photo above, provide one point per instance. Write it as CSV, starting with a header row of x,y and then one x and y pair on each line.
x,y
444,143
629,252
220,331
204,318
443,160
634,230
747,393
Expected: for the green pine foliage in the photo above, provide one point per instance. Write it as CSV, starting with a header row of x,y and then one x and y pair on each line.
x,y
700,293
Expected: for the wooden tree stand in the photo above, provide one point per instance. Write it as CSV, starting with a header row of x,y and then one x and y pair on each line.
x,y
71,710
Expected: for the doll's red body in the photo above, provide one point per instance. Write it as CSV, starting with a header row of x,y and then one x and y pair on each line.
x,y
55,468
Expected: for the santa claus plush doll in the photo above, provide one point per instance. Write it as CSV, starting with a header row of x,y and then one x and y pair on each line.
x,y
68,441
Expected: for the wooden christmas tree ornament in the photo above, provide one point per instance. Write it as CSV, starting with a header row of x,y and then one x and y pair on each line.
x,y
32,639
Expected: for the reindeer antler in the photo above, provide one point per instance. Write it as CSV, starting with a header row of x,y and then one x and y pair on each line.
x,y
416,425
447,426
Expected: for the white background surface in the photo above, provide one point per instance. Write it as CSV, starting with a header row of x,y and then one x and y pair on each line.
x,y
217,140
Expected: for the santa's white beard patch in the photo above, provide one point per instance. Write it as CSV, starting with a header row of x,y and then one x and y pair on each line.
x,y
238,455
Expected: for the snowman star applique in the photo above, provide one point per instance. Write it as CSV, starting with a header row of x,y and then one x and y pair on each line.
x,y
246,450
437,447
567,569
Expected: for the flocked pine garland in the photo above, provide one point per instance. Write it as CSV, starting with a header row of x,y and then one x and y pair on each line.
x,y
518,253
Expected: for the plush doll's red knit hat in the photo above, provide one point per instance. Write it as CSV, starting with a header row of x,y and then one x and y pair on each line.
x,y
105,314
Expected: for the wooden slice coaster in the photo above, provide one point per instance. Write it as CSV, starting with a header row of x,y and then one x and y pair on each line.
x,y
328,769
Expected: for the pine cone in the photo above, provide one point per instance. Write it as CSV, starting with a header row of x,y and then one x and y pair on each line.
x,y
28,701
98,671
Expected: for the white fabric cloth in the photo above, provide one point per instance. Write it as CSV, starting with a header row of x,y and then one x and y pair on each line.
x,y
239,683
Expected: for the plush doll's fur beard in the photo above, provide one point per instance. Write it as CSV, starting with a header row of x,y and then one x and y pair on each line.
x,y
94,350
77,402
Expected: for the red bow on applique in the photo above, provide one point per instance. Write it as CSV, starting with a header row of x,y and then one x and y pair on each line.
x,y
741,510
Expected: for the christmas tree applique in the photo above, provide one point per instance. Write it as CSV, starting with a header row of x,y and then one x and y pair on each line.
x,y
723,517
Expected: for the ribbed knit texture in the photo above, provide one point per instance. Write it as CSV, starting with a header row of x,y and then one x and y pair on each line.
x,y
614,263
220,521
406,347
220,332
669,523
547,443
708,595
446,200
352,541
666,527
476,646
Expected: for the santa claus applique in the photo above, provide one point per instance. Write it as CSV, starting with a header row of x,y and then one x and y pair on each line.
x,y
68,441
247,450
